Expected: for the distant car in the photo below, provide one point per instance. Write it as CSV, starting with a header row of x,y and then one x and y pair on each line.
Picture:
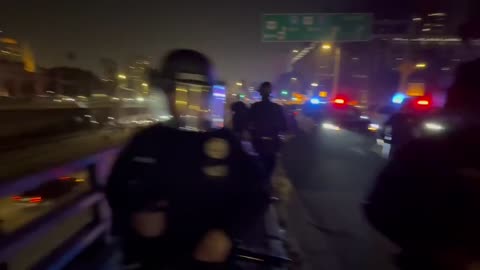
x,y
337,116
47,192
416,118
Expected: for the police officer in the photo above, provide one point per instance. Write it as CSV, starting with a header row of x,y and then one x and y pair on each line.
x,y
398,130
427,199
179,196
267,120
239,117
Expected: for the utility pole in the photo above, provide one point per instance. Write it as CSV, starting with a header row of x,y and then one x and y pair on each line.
x,y
336,69
337,54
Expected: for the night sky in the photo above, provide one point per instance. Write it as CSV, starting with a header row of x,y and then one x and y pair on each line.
x,y
228,31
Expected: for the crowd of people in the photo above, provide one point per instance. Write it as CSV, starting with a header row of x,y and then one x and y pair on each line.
x,y
179,198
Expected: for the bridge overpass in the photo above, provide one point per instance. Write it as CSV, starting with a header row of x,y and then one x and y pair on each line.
x,y
67,227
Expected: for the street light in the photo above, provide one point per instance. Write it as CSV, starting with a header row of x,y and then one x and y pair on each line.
x,y
145,84
323,94
122,76
421,65
239,83
326,46
293,79
294,51
314,84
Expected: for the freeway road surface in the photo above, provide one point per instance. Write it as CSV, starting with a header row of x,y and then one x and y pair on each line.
x,y
332,172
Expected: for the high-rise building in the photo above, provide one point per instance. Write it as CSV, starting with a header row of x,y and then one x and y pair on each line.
x,y
431,24
10,50
17,69
422,50
137,77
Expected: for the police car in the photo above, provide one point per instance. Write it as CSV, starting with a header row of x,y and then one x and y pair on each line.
x,y
337,115
414,117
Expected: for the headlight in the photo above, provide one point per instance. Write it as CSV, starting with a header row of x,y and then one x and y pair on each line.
x,y
433,126
330,126
373,127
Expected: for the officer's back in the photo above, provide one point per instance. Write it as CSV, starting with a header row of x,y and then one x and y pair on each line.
x,y
267,118
202,177
172,188
427,199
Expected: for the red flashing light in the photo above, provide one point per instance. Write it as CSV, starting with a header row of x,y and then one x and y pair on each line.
x,y
65,178
36,200
16,198
423,102
339,101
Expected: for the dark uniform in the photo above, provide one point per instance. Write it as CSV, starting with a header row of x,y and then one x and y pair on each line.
x,y
240,117
206,178
181,185
399,130
427,199
267,121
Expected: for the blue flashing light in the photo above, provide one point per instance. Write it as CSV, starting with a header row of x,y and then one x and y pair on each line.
x,y
315,101
221,87
398,98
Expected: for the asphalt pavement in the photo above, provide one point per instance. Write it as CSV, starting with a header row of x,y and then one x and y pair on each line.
x,y
332,172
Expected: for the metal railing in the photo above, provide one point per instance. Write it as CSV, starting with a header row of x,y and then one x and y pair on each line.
x,y
28,239
25,238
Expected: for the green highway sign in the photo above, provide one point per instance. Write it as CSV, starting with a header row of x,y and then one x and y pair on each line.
x,y
317,27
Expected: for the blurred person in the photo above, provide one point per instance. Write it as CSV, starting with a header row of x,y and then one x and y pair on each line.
x,y
179,196
427,199
267,120
239,117
400,128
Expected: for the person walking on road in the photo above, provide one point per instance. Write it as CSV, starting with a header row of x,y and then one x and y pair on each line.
x,y
239,118
180,196
267,121
427,199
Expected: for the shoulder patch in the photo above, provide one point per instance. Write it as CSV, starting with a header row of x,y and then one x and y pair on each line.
x,y
216,171
217,148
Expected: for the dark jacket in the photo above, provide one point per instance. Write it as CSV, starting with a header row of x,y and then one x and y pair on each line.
x,y
401,128
267,120
428,196
240,117
206,178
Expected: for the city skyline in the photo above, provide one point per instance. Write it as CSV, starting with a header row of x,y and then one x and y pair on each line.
x,y
228,32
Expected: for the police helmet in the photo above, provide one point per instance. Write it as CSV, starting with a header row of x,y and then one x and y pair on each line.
x,y
182,66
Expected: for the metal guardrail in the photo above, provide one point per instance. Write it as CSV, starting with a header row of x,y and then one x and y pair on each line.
x,y
98,167
275,256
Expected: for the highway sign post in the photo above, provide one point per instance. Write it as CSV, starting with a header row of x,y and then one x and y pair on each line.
x,y
338,27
